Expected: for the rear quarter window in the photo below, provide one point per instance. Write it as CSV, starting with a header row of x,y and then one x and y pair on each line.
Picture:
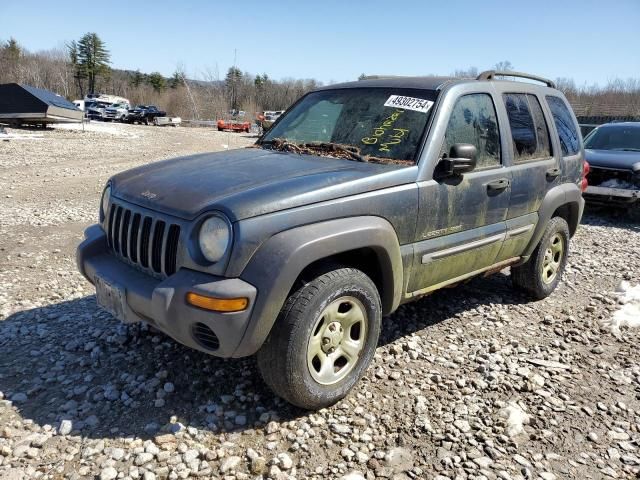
x,y
567,132
529,129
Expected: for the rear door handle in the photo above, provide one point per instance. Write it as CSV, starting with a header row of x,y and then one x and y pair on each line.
x,y
498,185
553,173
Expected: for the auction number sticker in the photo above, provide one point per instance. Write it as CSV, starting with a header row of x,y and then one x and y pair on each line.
x,y
409,103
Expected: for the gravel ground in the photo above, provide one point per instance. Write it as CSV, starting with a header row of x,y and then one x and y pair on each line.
x,y
473,382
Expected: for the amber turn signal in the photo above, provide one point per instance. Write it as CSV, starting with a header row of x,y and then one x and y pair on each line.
x,y
217,304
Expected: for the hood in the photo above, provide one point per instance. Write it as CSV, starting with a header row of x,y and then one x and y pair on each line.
x,y
248,182
616,159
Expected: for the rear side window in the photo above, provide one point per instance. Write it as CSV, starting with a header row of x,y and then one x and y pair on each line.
x,y
473,120
528,127
569,139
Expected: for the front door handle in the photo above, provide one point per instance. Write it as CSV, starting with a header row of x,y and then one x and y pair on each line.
x,y
498,185
553,173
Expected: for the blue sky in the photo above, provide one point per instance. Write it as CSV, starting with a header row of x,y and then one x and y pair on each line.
x,y
590,41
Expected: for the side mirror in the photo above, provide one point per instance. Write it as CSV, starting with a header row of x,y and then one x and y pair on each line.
x,y
462,159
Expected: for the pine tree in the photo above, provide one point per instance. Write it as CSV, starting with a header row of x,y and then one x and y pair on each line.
x,y
93,59
176,80
79,74
137,79
234,77
12,50
261,80
157,81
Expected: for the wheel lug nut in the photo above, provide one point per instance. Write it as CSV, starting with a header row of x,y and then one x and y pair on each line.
x,y
325,341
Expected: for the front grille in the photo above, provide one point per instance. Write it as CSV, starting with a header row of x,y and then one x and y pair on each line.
x,y
147,242
205,336
597,176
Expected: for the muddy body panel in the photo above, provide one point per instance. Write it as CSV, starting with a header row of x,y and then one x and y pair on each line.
x,y
411,227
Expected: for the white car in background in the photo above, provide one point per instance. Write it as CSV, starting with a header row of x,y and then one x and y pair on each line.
x,y
116,111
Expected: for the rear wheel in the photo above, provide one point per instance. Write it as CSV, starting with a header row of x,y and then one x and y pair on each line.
x,y
323,340
540,275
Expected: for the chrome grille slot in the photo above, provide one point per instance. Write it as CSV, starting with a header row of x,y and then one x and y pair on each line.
x,y
146,241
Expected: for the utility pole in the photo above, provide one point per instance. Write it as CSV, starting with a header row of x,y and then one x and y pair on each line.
x,y
234,89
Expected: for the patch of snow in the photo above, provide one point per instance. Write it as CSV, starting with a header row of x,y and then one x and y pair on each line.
x,y
20,136
628,315
515,419
111,128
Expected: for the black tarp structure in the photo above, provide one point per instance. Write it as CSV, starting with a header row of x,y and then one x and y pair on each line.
x,y
23,104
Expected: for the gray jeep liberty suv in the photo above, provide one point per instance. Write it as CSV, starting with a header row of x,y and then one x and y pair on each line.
x,y
361,197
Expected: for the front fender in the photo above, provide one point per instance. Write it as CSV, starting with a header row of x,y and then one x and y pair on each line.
x,y
276,265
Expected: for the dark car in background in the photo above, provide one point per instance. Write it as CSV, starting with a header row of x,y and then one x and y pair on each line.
x,y
94,109
613,153
144,114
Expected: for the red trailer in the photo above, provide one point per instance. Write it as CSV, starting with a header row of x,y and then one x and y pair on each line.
x,y
234,126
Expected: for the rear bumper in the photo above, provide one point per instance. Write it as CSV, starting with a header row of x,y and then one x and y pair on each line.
x,y
611,196
162,302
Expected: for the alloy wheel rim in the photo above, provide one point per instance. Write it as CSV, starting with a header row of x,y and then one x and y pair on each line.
x,y
337,340
552,258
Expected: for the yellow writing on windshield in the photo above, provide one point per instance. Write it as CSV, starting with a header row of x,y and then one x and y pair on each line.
x,y
382,129
394,139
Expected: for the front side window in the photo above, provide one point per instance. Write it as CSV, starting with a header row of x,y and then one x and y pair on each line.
x,y
380,125
528,127
567,132
473,121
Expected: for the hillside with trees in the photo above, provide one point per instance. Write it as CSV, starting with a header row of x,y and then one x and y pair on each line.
x,y
85,66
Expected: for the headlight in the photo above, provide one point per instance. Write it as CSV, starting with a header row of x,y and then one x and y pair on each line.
x,y
104,204
214,238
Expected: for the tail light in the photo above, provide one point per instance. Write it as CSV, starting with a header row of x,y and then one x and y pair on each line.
x,y
585,171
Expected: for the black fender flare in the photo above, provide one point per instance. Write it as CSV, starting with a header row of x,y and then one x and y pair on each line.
x,y
278,262
568,195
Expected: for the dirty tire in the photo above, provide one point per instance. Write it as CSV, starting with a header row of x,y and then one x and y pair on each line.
x,y
283,359
529,276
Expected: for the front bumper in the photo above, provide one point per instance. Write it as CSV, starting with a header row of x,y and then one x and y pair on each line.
x,y
162,302
622,197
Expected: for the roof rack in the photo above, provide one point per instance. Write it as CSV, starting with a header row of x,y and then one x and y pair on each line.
x,y
491,74
380,77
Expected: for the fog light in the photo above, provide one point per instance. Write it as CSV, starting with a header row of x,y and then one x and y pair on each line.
x,y
225,305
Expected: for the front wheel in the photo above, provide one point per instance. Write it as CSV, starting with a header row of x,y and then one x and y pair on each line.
x,y
323,340
540,275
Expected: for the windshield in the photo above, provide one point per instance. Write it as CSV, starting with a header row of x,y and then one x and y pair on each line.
x,y
371,124
618,137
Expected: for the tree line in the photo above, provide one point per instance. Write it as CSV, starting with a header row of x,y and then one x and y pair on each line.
x,y
84,66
